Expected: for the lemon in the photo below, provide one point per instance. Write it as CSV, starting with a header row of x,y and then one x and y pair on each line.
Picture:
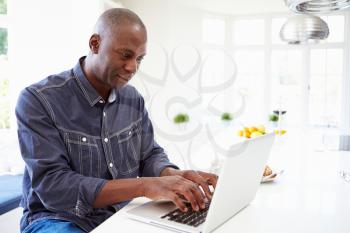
x,y
247,134
256,134
261,128
253,129
280,132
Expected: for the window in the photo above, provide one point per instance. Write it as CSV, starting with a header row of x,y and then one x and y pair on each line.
x,y
215,65
305,79
276,26
4,69
248,38
249,82
336,28
286,83
325,86
4,89
249,32
213,31
3,6
10,161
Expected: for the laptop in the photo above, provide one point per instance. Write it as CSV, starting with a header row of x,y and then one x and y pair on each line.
x,y
239,180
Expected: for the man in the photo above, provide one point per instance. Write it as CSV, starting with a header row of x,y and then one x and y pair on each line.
x,y
88,143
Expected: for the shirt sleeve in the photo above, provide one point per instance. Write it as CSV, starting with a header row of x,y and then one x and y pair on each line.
x,y
154,159
59,188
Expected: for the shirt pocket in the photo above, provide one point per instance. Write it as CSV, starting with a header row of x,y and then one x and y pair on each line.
x,y
129,148
84,154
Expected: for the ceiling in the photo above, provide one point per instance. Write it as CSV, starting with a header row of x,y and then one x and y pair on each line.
x,y
237,7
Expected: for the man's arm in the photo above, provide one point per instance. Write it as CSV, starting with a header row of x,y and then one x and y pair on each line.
x,y
156,188
51,178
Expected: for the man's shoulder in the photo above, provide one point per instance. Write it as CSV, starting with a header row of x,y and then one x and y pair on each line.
x,y
53,81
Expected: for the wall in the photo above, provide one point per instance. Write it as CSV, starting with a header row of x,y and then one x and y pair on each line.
x,y
171,80
49,36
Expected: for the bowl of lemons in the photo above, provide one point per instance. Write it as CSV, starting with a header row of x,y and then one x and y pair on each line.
x,y
256,131
252,132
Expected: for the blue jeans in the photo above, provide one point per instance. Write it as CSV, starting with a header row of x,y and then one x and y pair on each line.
x,y
52,226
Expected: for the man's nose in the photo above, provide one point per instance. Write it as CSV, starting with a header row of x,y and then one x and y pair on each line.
x,y
131,66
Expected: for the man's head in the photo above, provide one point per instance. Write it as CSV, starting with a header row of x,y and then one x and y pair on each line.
x,y
117,48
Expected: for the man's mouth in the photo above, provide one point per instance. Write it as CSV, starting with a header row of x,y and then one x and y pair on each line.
x,y
126,79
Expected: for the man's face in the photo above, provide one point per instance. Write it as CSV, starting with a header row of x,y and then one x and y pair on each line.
x,y
119,55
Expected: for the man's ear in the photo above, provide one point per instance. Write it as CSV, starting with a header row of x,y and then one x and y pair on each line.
x,y
94,43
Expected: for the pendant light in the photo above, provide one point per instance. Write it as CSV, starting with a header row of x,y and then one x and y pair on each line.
x,y
317,6
303,29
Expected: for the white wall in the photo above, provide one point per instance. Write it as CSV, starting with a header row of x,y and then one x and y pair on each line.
x,y
236,7
167,21
48,36
172,85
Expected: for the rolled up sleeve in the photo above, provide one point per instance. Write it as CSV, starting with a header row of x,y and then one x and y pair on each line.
x,y
53,181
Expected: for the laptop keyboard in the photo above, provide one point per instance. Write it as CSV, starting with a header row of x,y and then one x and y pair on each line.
x,y
191,217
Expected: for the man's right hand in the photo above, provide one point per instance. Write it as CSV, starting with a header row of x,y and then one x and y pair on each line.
x,y
173,188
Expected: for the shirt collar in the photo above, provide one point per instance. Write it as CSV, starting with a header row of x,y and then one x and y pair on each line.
x,y
89,91
112,96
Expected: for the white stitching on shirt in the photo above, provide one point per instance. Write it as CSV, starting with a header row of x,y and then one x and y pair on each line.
x,y
91,162
39,94
77,132
132,125
80,158
54,86
81,144
98,161
85,92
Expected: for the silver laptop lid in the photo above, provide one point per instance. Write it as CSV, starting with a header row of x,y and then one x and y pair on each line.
x,y
239,179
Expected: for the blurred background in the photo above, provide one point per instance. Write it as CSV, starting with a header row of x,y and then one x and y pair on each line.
x,y
211,66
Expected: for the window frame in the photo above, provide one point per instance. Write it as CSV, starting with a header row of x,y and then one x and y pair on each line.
x,y
269,46
4,23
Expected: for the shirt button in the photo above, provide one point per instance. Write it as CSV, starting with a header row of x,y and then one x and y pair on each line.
x,y
129,132
83,139
106,139
104,113
110,164
101,101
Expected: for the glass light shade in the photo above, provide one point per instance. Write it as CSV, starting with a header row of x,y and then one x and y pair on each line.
x,y
304,28
317,6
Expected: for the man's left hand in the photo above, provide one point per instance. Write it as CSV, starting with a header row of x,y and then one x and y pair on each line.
x,y
203,179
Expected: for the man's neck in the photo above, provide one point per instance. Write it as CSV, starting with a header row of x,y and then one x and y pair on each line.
x,y
101,88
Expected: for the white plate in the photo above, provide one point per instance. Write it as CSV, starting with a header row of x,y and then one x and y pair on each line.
x,y
271,177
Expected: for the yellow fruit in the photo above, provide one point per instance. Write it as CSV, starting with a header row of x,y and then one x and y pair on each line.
x,y
280,132
247,134
256,134
261,128
240,133
253,129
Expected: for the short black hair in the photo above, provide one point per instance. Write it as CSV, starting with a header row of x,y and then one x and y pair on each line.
x,y
115,17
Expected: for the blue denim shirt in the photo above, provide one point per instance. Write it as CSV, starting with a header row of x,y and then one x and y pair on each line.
x,y
72,142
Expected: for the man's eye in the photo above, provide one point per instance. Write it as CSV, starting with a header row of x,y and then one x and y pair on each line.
x,y
139,60
125,55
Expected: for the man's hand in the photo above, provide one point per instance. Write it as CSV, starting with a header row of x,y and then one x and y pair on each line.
x,y
175,188
201,179
175,185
